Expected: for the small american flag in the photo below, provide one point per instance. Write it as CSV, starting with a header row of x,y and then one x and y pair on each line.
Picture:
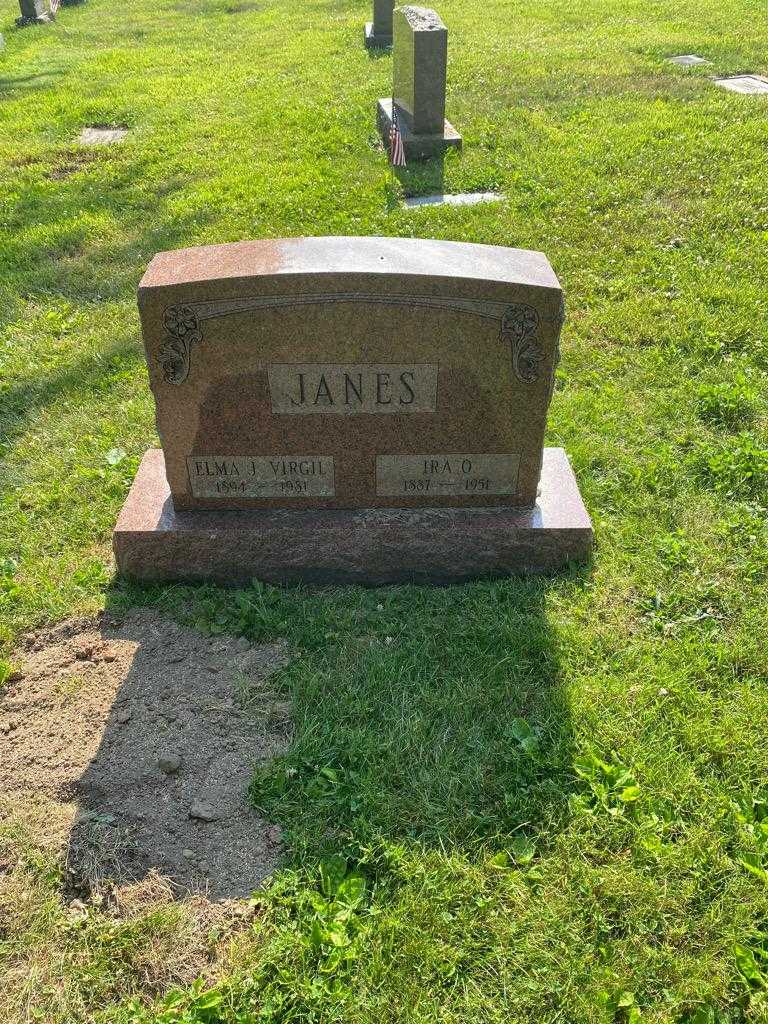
x,y
396,148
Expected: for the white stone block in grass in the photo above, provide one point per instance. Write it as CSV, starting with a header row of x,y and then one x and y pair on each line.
x,y
101,136
465,199
688,60
750,85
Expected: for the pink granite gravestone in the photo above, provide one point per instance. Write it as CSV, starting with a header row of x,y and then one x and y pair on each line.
x,y
361,409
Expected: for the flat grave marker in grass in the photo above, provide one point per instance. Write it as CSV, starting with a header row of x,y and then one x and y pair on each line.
x,y
462,199
419,69
378,33
750,85
688,60
377,405
91,136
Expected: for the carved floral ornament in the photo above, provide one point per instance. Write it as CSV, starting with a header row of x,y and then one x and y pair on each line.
x,y
183,329
519,326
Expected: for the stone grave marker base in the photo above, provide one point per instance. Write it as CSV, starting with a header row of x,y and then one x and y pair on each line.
x,y
376,40
38,19
33,12
153,542
417,147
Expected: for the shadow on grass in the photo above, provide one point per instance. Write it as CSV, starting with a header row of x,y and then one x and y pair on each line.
x,y
427,714
378,52
419,178
65,258
76,263
10,87
92,242
23,399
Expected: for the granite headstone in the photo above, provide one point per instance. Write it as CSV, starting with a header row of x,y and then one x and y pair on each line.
x,y
33,12
378,33
367,409
419,70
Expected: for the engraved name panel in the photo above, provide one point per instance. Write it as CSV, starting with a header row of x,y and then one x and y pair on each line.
x,y
449,474
268,476
352,389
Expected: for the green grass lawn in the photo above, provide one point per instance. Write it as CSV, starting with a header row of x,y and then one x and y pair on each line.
x,y
522,801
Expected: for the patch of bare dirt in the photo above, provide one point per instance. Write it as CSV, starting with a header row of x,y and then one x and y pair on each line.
x,y
153,731
28,160
204,7
71,163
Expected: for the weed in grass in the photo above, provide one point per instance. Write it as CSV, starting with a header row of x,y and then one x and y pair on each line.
x,y
730,405
738,467
674,549
611,786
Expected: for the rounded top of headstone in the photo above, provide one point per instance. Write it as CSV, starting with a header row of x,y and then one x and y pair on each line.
x,y
421,19
350,257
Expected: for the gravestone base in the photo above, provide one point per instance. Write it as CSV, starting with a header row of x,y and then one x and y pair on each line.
x,y
417,147
39,19
153,542
376,41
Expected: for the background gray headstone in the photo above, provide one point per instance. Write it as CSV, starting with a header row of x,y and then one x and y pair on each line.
x,y
32,10
419,68
382,18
